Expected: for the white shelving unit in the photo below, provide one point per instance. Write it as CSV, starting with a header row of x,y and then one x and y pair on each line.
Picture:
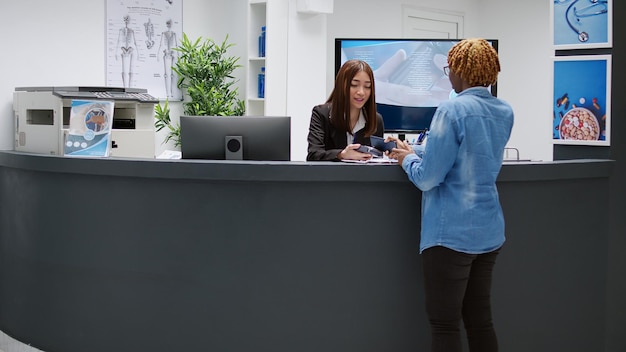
x,y
257,17
274,14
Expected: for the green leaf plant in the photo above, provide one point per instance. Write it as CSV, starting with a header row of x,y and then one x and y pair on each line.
x,y
205,75
162,115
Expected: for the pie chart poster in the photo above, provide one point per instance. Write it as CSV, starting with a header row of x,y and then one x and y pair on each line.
x,y
582,82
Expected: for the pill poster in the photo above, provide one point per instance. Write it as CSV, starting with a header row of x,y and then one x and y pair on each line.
x,y
581,100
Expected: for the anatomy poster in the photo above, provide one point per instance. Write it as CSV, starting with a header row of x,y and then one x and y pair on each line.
x,y
140,39
581,24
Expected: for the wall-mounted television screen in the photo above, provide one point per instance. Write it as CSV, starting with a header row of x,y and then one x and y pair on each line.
x,y
409,77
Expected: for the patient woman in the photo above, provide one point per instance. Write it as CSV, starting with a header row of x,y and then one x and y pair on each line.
x,y
348,118
462,220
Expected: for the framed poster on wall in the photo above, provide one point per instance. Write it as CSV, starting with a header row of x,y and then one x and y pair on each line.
x,y
582,100
140,39
578,24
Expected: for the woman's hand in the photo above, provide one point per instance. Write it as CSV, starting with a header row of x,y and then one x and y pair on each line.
x,y
351,153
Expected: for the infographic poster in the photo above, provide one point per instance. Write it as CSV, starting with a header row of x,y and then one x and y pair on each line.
x,y
89,134
140,39
582,100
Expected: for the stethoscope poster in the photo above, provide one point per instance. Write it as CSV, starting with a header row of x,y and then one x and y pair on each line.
x,y
582,23
581,100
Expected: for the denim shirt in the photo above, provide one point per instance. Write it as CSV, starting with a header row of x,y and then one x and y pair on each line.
x,y
457,172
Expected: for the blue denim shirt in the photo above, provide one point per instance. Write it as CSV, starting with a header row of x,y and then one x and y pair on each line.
x,y
457,172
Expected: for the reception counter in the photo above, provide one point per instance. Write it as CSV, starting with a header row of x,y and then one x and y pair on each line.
x,y
162,255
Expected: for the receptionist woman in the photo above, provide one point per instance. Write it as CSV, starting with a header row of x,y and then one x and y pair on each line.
x,y
348,118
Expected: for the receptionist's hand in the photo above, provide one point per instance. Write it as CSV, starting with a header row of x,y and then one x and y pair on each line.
x,y
351,153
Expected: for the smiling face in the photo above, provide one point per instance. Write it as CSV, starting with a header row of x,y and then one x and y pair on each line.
x,y
354,92
360,90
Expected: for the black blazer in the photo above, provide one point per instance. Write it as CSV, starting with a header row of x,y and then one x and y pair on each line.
x,y
325,142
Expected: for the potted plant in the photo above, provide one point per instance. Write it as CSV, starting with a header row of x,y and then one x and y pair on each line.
x,y
205,75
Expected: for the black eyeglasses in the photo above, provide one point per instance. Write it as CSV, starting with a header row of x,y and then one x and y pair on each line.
x,y
446,70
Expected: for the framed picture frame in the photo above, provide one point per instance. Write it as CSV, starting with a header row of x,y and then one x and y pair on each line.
x,y
582,100
581,24
140,37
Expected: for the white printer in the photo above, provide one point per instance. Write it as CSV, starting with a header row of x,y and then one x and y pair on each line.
x,y
42,117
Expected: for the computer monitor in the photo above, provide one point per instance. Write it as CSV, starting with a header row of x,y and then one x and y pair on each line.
x,y
409,76
263,138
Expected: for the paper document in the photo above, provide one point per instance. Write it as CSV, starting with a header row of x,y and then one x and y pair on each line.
x,y
383,160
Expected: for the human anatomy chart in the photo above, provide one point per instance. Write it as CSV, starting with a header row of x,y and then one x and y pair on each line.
x,y
140,39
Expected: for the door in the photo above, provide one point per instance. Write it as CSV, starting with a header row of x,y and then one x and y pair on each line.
x,y
429,23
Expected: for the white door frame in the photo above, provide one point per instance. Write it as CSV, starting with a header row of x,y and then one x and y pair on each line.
x,y
438,23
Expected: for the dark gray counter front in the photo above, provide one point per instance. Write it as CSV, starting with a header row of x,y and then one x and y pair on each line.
x,y
151,255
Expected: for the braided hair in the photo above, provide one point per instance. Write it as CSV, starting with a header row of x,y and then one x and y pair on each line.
x,y
475,61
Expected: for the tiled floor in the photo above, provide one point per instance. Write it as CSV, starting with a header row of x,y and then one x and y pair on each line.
x,y
8,344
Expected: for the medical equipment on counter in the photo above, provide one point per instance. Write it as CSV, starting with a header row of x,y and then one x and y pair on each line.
x,y
42,117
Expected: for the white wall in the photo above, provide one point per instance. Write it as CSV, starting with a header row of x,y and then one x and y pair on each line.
x,y
61,43
306,71
42,47
523,28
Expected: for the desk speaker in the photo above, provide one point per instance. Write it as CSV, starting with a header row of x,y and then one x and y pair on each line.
x,y
233,148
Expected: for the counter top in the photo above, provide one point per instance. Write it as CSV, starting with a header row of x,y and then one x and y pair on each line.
x,y
283,171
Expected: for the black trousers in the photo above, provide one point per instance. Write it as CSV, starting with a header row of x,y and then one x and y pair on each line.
x,y
458,287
